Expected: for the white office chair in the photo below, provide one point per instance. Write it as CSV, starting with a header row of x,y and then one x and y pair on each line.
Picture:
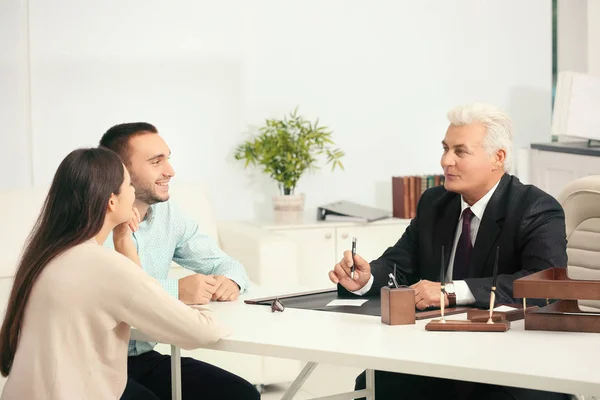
x,y
581,201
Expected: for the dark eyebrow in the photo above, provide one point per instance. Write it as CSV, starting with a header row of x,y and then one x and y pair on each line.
x,y
157,156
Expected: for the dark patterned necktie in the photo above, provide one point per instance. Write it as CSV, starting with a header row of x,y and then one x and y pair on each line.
x,y
464,248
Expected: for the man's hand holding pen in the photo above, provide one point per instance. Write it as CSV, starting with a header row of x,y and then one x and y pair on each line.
x,y
353,273
342,271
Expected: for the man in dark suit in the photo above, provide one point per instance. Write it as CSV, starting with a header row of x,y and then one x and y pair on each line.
x,y
479,208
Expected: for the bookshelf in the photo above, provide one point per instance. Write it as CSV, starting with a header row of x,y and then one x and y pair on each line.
x,y
407,190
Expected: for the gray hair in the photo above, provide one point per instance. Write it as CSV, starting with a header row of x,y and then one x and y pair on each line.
x,y
497,125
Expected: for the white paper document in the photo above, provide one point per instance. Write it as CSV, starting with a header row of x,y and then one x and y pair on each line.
x,y
349,302
504,308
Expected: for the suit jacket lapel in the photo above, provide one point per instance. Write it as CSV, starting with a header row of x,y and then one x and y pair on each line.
x,y
489,228
447,213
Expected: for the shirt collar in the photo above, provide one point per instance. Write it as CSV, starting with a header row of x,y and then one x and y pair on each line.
x,y
149,214
479,207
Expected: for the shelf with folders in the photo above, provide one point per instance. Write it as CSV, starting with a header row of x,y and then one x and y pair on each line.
x,y
407,190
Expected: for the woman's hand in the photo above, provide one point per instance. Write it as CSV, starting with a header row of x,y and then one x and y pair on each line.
x,y
124,230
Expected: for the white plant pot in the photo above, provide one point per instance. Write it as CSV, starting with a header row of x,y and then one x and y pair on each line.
x,y
288,209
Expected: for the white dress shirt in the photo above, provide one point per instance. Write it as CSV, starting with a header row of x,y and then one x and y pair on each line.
x,y
463,293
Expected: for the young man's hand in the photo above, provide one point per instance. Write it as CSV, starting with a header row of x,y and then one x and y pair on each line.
x,y
197,289
227,290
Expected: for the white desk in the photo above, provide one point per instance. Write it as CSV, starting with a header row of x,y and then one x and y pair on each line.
x,y
553,361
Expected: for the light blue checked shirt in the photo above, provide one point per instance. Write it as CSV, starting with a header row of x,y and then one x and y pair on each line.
x,y
168,235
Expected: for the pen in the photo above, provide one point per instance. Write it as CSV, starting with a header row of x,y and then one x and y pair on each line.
x,y
443,271
442,286
495,276
494,281
353,254
393,278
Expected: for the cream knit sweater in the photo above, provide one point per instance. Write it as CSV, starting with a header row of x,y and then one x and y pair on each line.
x,y
74,338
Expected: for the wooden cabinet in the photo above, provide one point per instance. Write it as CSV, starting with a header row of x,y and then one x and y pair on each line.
x,y
317,249
554,165
322,244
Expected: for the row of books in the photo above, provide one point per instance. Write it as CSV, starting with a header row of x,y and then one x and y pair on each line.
x,y
407,190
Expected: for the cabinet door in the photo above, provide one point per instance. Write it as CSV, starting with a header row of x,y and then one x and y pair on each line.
x,y
317,255
552,171
372,240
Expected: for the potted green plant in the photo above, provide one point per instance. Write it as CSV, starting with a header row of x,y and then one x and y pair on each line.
x,y
285,149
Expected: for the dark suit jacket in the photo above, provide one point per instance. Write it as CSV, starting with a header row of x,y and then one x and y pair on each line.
x,y
527,224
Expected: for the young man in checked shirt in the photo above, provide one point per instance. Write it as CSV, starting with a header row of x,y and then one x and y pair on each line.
x,y
164,235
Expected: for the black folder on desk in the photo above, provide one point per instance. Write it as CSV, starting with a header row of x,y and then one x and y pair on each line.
x,y
349,211
318,300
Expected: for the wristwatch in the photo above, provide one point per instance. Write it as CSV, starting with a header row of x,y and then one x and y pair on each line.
x,y
451,294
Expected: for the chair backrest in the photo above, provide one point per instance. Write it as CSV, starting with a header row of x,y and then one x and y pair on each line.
x,y
19,209
581,201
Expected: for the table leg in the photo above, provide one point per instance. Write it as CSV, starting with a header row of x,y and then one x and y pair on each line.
x,y
175,373
368,392
299,381
370,384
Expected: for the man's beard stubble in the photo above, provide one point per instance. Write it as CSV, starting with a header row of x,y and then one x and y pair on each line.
x,y
145,193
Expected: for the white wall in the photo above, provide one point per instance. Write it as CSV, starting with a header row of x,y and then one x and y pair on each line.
x,y
14,94
382,74
572,35
593,42
579,36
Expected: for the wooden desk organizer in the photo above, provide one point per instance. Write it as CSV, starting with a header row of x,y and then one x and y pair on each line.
x,y
479,315
467,326
477,321
397,306
565,314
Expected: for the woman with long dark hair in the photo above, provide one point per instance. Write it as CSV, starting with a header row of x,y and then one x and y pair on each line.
x,y
66,329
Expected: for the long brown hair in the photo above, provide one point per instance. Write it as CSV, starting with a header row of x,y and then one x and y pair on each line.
x,y
73,212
